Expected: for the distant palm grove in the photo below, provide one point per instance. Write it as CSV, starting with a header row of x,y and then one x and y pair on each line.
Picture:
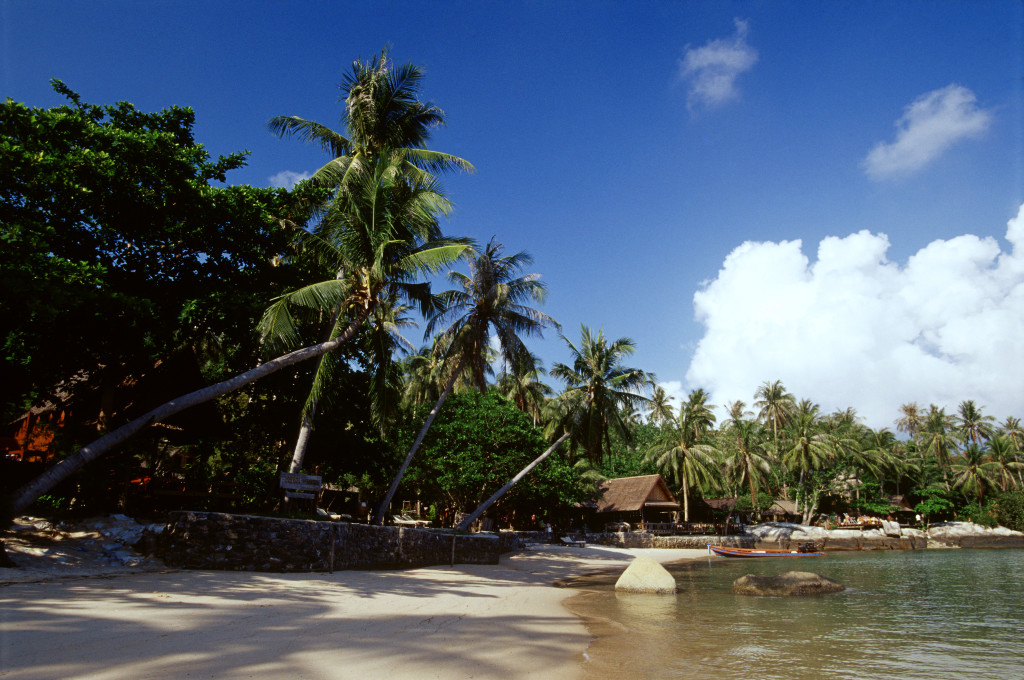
x,y
168,335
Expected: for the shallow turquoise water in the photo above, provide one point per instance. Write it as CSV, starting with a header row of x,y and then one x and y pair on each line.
x,y
906,615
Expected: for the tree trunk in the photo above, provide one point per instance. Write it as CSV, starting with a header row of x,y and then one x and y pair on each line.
x,y
503,490
686,497
384,504
26,495
306,428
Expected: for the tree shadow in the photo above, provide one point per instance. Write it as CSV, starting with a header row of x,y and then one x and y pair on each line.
x,y
244,624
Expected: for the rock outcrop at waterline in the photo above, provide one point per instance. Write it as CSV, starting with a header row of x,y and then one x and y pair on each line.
x,y
646,575
786,584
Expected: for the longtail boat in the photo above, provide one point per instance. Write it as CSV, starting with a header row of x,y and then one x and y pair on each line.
x,y
806,550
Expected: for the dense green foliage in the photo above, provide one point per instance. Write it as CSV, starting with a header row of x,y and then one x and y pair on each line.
x,y
477,443
130,274
119,249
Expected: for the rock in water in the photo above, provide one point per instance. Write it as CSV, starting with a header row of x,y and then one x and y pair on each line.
x,y
646,575
789,583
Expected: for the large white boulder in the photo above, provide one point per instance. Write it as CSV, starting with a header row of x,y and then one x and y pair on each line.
x,y
646,575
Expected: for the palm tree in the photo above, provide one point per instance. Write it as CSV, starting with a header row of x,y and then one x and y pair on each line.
x,y
972,425
911,420
520,383
811,447
684,455
1011,429
490,300
938,438
776,407
379,236
660,411
972,472
383,116
746,460
384,120
737,411
599,389
1006,465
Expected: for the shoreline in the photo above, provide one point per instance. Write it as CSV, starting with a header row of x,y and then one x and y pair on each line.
x,y
483,621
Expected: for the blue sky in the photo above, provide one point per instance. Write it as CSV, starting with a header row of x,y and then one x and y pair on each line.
x,y
805,191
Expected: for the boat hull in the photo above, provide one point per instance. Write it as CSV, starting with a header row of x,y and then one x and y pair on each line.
x,y
758,552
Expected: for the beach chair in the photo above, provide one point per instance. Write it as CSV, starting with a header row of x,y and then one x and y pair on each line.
x,y
574,543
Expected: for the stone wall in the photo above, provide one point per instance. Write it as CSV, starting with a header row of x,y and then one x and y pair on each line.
x,y
209,540
788,536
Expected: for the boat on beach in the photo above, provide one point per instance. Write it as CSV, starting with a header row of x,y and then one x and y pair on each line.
x,y
805,550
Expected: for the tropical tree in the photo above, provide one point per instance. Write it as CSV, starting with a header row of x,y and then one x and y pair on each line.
x,y
938,438
972,472
776,407
746,460
686,454
490,299
1011,429
660,410
380,236
383,116
521,384
972,424
599,388
811,449
1006,465
384,120
910,420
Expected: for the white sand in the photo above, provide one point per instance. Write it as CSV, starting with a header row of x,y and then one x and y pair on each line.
x,y
472,621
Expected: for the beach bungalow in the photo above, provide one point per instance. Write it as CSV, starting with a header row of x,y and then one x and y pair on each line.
x,y
783,511
635,500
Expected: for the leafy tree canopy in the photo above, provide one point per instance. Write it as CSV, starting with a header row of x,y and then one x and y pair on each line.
x,y
477,443
118,246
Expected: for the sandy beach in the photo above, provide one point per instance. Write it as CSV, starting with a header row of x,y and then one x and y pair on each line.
x,y
470,621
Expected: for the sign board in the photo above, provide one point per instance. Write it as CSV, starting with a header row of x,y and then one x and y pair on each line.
x,y
294,484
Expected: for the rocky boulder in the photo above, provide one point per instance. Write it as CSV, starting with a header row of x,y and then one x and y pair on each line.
x,y
646,575
788,583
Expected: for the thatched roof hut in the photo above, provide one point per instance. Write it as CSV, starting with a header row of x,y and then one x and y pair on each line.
x,y
631,499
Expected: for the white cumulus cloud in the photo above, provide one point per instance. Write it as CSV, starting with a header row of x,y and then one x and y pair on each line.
x,y
286,179
928,127
853,329
712,70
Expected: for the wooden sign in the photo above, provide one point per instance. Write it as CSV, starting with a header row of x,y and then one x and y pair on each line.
x,y
300,486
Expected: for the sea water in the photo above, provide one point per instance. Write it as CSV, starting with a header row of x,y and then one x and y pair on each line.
x,y
905,615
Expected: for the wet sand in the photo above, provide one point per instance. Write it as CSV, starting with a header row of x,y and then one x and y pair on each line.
x,y
470,621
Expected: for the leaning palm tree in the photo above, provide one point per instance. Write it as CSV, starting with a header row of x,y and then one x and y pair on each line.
x,y
599,389
384,121
686,454
380,236
490,299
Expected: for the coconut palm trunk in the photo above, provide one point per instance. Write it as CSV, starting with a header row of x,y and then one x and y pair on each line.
x,y
384,504
26,495
473,516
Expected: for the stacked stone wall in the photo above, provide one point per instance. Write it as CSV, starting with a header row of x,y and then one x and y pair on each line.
x,y
208,540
